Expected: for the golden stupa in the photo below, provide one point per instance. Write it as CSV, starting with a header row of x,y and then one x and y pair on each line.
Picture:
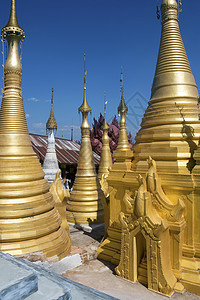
x,y
28,220
111,185
105,164
84,207
168,138
104,168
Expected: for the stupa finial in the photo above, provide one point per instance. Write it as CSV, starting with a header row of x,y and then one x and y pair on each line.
x,y
123,143
169,10
105,125
12,25
84,108
121,80
122,106
51,124
106,158
52,98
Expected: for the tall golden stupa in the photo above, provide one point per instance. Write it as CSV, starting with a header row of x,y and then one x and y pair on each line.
x,y
164,154
84,207
28,220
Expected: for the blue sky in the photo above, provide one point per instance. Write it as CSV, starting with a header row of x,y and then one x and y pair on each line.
x,y
112,33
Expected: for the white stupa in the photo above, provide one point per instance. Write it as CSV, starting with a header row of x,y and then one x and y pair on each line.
x,y
50,165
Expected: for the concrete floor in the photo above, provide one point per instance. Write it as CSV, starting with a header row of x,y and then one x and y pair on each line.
x,y
100,274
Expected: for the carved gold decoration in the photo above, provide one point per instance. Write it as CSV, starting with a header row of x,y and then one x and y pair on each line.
x,y
29,221
60,195
145,246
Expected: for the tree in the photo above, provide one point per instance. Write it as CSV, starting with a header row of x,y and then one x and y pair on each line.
x,y
96,134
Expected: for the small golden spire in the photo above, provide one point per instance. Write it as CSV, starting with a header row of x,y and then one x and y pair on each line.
x,y
123,143
51,123
106,158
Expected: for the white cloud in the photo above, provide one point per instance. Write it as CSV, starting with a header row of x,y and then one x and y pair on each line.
x,y
27,116
33,99
47,101
38,125
71,126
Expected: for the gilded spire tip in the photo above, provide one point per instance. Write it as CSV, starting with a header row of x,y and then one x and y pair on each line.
x,y
121,81
105,125
105,102
122,107
85,73
12,25
84,108
52,98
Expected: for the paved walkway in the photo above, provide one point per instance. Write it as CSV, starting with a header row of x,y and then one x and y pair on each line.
x,y
100,274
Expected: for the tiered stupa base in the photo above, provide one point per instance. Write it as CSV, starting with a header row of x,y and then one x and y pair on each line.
x,y
84,206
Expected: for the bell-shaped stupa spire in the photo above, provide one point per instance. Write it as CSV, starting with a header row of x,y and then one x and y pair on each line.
x,y
29,221
123,143
171,119
170,133
106,158
84,207
123,154
51,124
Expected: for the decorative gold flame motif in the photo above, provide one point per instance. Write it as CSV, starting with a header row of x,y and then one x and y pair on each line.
x,y
28,220
169,134
84,205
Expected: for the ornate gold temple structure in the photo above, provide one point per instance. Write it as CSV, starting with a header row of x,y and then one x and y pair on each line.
x,y
169,133
29,221
84,206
